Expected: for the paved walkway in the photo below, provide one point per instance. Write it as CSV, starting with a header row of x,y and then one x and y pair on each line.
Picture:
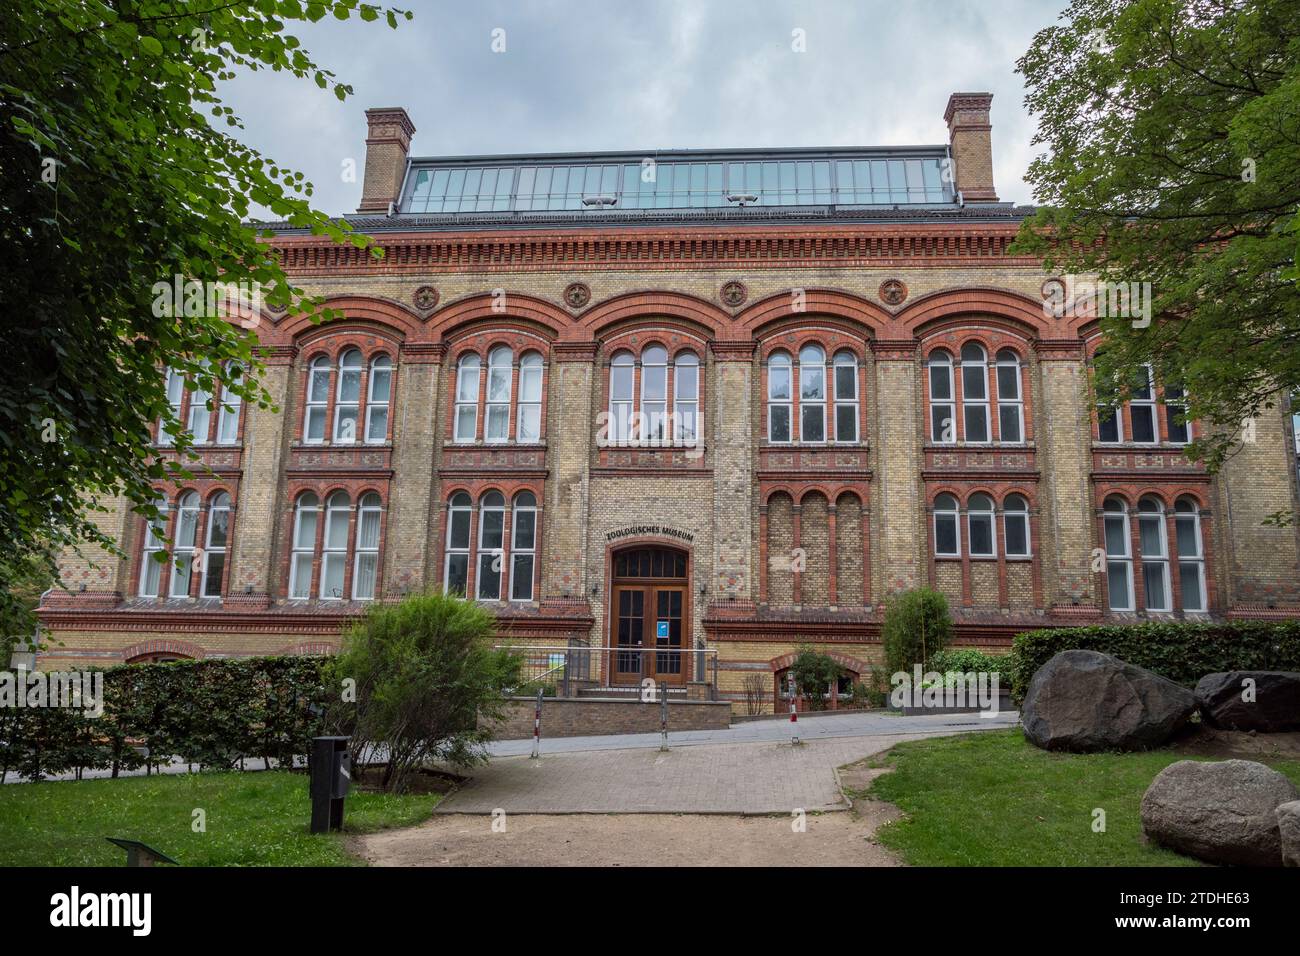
x,y
756,770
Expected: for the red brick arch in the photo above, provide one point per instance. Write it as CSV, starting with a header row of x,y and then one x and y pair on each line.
x,y
707,319
1019,310
449,322
164,646
851,663
824,302
357,309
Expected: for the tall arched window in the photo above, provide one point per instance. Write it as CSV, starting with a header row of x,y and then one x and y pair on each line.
x,y
334,560
306,515
496,427
1119,554
365,571
491,538
347,403
981,538
812,394
456,573
528,426
215,545
1015,526
686,397
523,546
1153,545
466,413
846,397
947,533
779,397
186,538
943,410
1011,406
155,541
622,378
379,394
318,397
654,394
1191,554
975,393
175,397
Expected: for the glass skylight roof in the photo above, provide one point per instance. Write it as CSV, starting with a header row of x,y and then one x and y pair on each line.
x,y
537,185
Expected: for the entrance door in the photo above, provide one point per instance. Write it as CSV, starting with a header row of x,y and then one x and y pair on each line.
x,y
648,615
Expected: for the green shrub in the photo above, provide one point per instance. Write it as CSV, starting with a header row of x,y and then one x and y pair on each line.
x,y
813,673
968,660
917,625
1183,651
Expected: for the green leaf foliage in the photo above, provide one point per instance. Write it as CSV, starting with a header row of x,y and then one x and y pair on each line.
x,y
917,625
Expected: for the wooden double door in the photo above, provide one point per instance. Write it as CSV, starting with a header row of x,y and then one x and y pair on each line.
x,y
649,615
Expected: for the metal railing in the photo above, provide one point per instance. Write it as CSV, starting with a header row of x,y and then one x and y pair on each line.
x,y
568,670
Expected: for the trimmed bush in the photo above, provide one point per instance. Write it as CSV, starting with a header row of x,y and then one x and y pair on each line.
x,y
813,673
968,660
917,626
1182,651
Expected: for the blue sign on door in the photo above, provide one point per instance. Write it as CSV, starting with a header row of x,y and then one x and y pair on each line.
x,y
661,629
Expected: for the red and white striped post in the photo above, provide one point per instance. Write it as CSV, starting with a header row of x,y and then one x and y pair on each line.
x,y
794,715
537,727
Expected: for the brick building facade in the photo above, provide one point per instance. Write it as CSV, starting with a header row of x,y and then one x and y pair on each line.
x,y
746,393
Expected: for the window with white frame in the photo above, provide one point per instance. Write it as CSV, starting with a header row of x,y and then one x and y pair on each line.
x,y
496,424
622,378
1178,428
1011,406
980,535
1119,554
334,546
183,544
305,518
812,394
231,404
943,408
155,542
1142,409
455,576
217,541
491,538
654,394
528,426
1153,548
845,368
318,398
1191,554
523,546
347,401
379,394
975,393
947,533
466,412
365,569
175,397
200,411
1015,526
686,397
779,397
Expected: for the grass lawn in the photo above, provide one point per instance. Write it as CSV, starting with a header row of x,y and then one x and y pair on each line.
x,y
993,799
253,819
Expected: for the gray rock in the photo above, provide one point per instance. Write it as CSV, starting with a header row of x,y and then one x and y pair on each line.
x,y
1288,825
1086,701
1222,812
1275,709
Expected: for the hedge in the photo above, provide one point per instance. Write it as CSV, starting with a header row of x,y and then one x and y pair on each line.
x,y
211,713
1180,650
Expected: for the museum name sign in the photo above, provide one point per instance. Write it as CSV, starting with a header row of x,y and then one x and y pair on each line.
x,y
637,531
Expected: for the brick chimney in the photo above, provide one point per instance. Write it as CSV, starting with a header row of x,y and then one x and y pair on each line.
x,y
971,142
388,143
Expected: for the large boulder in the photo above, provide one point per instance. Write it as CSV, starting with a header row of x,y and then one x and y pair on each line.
x,y
1274,709
1223,812
1085,701
1288,826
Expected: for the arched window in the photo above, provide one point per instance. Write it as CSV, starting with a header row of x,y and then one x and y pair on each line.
x,y
975,393
334,560
523,546
947,533
528,427
175,397
981,538
812,394
366,569
306,515
231,404
186,538
155,541
686,398
846,397
1011,406
347,402
654,394
466,413
1191,554
779,397
622,378
379,394
1119,554
500,372
1153,548
215,545
318,396
456,573
1015,526
943,410
491,538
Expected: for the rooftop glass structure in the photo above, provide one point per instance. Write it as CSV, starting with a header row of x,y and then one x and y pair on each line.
x,y
680,180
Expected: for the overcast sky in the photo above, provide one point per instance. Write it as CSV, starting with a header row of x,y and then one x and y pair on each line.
x,y
654,74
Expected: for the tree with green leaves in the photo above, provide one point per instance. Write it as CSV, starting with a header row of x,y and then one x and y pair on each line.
x,y
1172,130
121,168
